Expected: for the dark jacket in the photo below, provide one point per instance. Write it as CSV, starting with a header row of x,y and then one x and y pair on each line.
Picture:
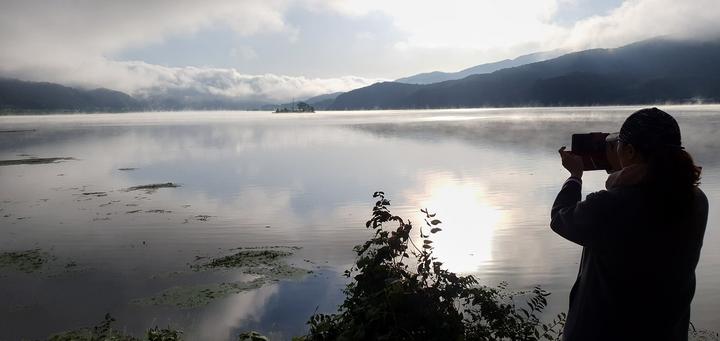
x,y
637,273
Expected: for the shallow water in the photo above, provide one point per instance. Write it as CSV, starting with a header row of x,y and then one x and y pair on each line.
x,y
259,179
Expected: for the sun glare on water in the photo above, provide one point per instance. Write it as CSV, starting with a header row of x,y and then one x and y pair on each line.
x,y
468,218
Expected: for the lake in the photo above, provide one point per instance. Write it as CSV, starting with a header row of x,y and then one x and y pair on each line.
x,y
299,181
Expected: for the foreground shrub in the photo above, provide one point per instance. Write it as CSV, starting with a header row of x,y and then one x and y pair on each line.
x,y
400,291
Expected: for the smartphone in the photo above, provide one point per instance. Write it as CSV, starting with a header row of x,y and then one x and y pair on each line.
x,y
598,151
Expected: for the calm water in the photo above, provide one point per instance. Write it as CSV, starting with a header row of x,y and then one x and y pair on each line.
x,y
300,180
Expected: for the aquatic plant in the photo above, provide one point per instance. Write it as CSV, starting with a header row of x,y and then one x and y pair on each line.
x,y
35,161
252,336
104,331
267,263
194,296
163,334
248,258
151,188
25,261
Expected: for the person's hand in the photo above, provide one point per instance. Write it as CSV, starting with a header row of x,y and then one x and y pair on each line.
x,y
573,163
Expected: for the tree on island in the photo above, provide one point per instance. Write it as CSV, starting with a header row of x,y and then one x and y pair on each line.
x,y
300,107
304,107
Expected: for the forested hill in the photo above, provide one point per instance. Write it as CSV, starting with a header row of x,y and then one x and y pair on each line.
x,y
18,96
651,71
438,76
41,96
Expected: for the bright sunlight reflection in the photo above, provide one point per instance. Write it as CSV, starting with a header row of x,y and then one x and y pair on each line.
x,y
469,221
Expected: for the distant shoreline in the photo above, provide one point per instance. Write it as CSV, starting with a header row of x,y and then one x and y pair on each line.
x,y
8,112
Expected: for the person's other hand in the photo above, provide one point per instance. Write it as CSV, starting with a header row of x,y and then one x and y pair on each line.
x,y
573,163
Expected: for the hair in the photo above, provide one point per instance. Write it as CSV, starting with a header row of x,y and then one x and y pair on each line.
x,y
672,176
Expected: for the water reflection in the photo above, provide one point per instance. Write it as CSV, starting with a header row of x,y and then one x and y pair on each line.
x,y
469,220
221,320
261,179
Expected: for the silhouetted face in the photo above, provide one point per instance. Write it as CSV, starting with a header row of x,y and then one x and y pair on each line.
x,y
628,154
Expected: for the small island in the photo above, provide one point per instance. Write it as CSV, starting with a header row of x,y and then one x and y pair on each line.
x,y
300,107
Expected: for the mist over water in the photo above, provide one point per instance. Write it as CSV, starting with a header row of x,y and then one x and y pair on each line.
x,y
297,180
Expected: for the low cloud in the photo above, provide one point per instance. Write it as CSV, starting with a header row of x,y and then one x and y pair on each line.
x,y
67,42
231,83
642,19
146,80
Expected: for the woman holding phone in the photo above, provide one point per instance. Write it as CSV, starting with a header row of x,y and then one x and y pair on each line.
x,y
641,236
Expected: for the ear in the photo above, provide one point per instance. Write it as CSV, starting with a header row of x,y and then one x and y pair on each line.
x,y
632,152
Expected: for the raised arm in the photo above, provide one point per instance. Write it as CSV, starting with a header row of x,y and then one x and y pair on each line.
x,y
562,215
576,220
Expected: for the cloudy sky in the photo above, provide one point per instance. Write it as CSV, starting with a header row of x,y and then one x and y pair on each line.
x,y
274,50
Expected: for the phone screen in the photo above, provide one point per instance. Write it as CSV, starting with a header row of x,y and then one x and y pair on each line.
x,y
593,149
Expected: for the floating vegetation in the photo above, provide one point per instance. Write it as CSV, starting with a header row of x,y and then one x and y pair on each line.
x,y
202,217
158,211
199,217
109,203
153,187
248,258
265,262
95,194
199,295
18,131
106,332
26,261
37,261
34,161
252,336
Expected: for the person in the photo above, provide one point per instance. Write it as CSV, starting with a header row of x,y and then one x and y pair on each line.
x,y
641,237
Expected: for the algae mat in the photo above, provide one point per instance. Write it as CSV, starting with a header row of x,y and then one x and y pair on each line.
x,y
267,264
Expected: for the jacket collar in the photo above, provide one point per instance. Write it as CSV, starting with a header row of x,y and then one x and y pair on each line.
x,y
628,176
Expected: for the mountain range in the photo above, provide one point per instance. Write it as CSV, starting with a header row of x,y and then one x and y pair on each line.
x,y
42,96
438,76
17,96
652,71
